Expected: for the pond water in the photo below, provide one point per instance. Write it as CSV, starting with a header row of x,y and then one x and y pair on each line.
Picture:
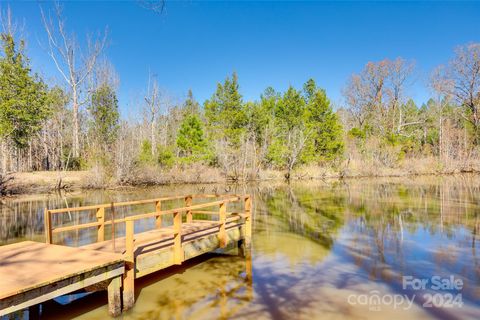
x,y
356,249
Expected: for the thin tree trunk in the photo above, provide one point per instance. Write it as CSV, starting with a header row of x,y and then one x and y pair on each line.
x,y
76,144
4,156
152,138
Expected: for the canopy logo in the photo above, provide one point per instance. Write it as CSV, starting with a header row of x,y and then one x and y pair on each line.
x,y
436,292
374,300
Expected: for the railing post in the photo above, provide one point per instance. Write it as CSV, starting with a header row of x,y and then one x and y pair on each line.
x,y
101,227
188,203
129,276
47,220
248,220
177,238
158,219
222,233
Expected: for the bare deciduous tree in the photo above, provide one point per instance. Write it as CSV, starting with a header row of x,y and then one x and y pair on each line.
x,y
153,109
73,62
460,80
376,96
399,76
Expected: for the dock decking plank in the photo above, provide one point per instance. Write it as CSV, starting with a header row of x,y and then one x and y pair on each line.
x,y
28,265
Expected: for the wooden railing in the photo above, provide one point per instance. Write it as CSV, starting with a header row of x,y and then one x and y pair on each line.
x,y
189,209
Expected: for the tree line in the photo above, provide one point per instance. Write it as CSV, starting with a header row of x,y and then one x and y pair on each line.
x,y
75,123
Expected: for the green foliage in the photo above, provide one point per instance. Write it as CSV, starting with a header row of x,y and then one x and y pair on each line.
x,y
290,110
145,156
277,153
327,133
306,128
58,99
191,140
225,111
166,157
262,114
105,116
23,96
191,106
357,133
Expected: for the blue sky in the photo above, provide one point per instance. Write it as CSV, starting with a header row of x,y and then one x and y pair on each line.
x,y
270,43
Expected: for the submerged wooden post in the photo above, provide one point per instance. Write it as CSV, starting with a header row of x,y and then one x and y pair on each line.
x,y
248,220
101,227
188,203
47,220
158,219
114,297
177,238
129,276
222,233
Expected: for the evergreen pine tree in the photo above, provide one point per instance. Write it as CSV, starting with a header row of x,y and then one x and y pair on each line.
x,y
23,96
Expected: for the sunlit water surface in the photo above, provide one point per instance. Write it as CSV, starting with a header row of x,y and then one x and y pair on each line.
x,y
319,249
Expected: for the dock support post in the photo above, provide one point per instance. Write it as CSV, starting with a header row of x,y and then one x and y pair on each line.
x,y
177,238
101,227
188,203
158,219
114,297
222,233
129,276
47,220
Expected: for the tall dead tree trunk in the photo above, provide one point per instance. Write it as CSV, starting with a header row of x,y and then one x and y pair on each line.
x,y
153,108
73,63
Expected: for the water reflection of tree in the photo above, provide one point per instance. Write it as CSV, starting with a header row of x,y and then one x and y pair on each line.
x,y
295,229
444,213
301,210
217,288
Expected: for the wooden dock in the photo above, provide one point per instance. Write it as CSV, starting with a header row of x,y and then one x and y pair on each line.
x,y
32,273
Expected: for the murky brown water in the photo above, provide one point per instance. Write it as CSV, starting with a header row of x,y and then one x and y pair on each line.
x,y
336,250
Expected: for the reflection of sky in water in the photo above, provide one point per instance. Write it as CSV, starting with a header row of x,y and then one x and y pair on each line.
x,y
313,246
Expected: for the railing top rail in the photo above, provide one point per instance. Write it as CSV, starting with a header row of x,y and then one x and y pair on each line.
x,y
182,209
138,202
225,199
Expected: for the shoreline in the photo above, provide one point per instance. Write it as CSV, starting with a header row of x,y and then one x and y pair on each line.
x,y
25,183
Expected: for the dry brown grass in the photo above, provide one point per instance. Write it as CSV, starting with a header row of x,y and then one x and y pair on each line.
x,y
406,167
153,175
41,181
98,177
